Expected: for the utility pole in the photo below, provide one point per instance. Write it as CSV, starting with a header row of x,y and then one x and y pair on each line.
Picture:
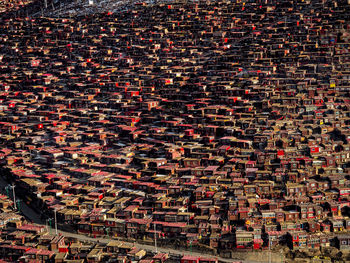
x,y
269,250
155,236
55,221
14,196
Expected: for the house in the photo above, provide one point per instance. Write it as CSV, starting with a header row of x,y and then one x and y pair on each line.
x,y
343,242
337,225
95,255
297,239
160,257
313,241
189,259
244,239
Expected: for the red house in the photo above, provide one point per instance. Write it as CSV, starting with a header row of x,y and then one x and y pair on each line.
x,y
189,259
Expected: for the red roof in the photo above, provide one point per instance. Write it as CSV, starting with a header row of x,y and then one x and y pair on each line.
x,y
187,257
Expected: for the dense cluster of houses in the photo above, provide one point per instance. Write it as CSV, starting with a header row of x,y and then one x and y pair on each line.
x,y
217,123
23,241
13,5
